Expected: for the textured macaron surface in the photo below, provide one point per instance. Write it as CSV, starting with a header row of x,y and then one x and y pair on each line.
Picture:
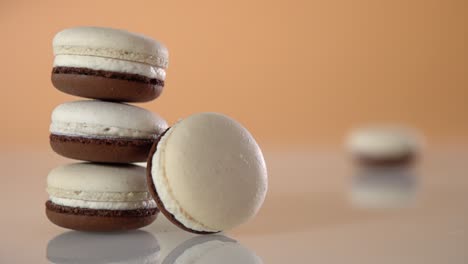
x,y
99,186
383,142
209,173
105,119
110,43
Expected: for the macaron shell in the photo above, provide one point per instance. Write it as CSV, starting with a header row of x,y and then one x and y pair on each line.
x,y
94,177
169,216
110,43
101,149
109,117
383,142
215,172
99,186
98,223
98,87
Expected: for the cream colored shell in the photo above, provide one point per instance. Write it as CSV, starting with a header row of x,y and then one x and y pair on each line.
x,y
110,43
106,119
383,142
99,186
95,177
210,173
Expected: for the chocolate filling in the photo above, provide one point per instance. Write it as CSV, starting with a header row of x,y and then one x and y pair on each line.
x,y
108,74
100,212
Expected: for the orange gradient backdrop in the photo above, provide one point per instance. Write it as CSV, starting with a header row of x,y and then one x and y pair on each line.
x,y
293,72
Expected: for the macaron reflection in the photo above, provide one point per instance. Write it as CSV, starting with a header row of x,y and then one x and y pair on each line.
x,y
128,247
185,248
143,247
383,187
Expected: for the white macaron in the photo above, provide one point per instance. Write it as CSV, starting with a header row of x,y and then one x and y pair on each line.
x,y
109,64
384,144
207,173
101,131
99,197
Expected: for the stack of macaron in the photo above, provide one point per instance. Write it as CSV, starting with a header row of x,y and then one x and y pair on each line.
x,y
205,174
111,67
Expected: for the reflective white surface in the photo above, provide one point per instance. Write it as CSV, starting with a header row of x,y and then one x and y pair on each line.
x,y
320,209
145,247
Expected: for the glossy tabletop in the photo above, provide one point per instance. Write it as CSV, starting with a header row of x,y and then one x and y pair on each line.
x,y
320,208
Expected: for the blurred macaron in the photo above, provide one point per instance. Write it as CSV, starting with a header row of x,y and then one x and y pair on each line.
x,y
384,145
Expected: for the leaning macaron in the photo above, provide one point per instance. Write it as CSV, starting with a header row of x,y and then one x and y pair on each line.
x,y
207,174
383,145
109,64
104,131
98,197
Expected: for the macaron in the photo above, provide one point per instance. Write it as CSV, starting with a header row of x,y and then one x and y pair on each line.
x,y
109,64
383,145
207,174
84,247
99,197
101,131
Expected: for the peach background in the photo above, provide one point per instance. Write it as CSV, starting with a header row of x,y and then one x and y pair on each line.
x,y
293,72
